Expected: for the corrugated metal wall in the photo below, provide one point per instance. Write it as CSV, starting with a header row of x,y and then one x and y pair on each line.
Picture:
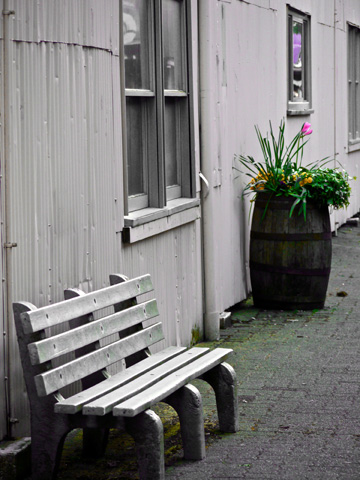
x,y
66,185
65,155
174,261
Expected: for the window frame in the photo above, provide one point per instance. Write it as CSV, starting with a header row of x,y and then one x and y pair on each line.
x,y
353,72
158,195
302,106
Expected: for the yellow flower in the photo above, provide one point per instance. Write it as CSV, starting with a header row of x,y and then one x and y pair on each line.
x,y
309,180
302,183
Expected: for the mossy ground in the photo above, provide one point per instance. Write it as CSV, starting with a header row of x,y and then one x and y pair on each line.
x,y
120,461
251,330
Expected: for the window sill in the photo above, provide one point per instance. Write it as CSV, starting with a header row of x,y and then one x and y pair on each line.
x,y
148,222
292,113
353,147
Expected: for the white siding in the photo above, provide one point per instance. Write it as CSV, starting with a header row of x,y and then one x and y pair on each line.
x,y
174,261
66,184
246,84
65,156
91,23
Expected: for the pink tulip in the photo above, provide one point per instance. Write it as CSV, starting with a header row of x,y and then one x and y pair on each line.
x,y
306,130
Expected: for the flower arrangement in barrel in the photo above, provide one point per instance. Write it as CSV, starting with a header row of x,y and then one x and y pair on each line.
x,y
282,173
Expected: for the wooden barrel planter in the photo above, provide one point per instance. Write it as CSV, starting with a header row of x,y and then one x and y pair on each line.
x,y
290,258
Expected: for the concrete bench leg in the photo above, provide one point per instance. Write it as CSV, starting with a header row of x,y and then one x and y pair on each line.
x,y
187,402
46,447
223,380
147,431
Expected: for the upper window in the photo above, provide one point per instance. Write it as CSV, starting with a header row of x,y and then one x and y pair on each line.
x,y
299,66
354,92
157,102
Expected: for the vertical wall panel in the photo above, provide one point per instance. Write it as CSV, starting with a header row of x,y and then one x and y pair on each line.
x,y
248,87
66,193
66,200
66,161
93,23
3,356
174,261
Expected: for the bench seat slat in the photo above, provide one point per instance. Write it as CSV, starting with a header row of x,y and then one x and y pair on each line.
x,y
55,346
103,405
75,403
170,384
79,368
57,313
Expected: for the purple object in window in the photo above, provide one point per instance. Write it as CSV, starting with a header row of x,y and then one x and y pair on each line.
x,y
296,47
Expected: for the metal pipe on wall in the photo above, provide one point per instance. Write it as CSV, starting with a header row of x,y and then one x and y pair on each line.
x,y
8,244
211,235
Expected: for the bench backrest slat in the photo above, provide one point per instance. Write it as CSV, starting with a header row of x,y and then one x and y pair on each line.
x,y
52,380
57,313
71,340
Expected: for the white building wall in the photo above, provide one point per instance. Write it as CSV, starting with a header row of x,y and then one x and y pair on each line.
x,y
65,177
174,258
65,202
65,158
243,83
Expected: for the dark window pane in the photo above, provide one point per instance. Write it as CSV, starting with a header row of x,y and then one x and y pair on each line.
x,y
172,133
136,145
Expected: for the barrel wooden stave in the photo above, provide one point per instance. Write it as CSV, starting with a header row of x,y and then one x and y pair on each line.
x,y
290,258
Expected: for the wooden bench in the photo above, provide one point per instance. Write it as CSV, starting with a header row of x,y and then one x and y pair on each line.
x,y
123,400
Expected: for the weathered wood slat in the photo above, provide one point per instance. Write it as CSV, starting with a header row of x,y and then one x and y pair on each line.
x,y
75,403
66,342
79,368
103,405
170,384
57,313
147,379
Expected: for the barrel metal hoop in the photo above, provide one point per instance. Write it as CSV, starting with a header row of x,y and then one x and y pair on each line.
x,y
288,270
291,237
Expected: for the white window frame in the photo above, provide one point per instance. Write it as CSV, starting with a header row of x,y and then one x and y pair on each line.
x,y
301,106
157,195
353,87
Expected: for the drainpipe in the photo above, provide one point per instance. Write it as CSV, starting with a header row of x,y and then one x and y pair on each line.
x,y
336,223
211,235
335,22
5,183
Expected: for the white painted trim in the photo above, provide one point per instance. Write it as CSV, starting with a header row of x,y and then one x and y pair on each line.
x,y
353,147
160,225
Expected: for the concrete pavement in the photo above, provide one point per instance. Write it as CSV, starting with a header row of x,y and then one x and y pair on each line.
x,y
298,385
299,394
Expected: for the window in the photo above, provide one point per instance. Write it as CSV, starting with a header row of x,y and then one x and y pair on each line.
x,y
157,102
354,93
299,66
